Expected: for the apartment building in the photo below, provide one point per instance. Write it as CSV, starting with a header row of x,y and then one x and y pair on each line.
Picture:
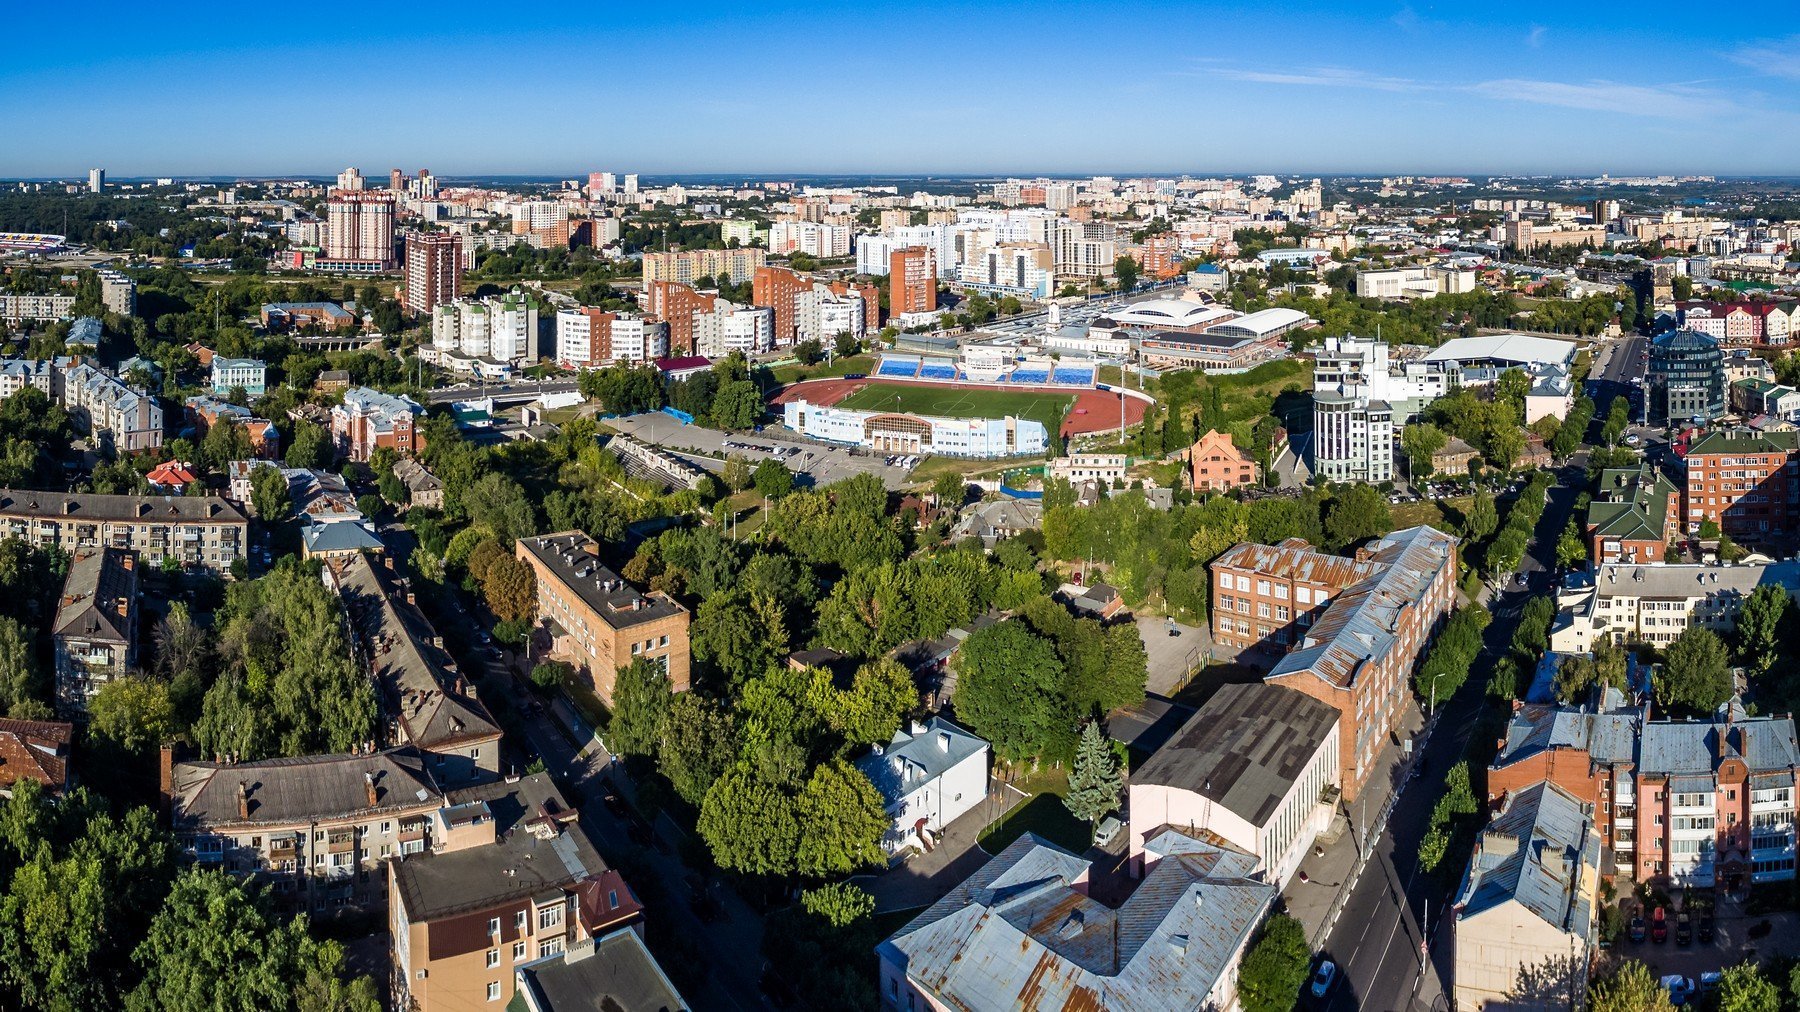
x,y
18,373
1655,604
118,292
588,338
597,621
809,237
368,419
249,373
1350,630
1745,481
1360,395
16,309
1635,516
35,750
1215,464
1753,397
102,405
320,830
1076,468
202,533
429,703
501,328
95,633
688,265
806,309
1022,270
509,879
423,489
1528,899
681,308
433,270
1757,324
1691,802
360,227
912,281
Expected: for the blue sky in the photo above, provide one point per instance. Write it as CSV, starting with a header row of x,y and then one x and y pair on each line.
x,y
788,87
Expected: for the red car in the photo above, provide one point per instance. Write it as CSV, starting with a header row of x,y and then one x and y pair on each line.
x,y
1659,926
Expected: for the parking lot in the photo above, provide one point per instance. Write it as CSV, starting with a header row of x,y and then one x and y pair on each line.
x,y
816,463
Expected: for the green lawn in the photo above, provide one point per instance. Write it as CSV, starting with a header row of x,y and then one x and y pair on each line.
x,y
793,372
1444,514
949,403
1043,813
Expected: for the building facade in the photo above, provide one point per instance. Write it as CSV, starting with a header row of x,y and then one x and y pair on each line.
x,y
433,270
360,227
929,775
1686,378
1215,464
1747,482
1349,630
96,629
249,373
117,415
367,419
912,281
893,432
196,532
598,622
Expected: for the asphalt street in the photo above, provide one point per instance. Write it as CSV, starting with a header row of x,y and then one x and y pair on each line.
x,y
1376,943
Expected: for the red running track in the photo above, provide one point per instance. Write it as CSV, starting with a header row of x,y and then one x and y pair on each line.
x,y
1093,411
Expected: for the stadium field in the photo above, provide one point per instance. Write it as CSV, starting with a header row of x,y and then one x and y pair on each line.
x,y
951,402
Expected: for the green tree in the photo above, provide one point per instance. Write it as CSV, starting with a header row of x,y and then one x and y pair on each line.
x,y
269,494
499,504
22,682
880,696
841,822
1094,779
949,488
1761,627
1577,675
214,945
1484,516
1420,441
750,824
641,699
1630,988
735,473
1743,988
1356,514
1125,272
1275,967
133,713
1009,689
1571,551
310,447
1697,677
699,743
772,478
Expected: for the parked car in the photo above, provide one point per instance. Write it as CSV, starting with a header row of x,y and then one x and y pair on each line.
x,y
1680,988
1323,979
1108,831
1684,929
1709,982
1637,928
1659,926
1706,929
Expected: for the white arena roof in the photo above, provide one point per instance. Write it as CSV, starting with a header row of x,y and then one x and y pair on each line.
x,y
1264,323
1168,313
1520,349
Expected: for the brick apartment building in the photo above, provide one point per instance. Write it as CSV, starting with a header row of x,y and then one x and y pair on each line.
x,y
676,304
912,281
433,270
1350,629
510,878
1690,802
318,829
1746,482
794,296
203,533
1215,464
1635,516
597,621
368,419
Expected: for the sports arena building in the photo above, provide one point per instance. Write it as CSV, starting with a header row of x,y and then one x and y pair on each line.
x,y
31,242
896,432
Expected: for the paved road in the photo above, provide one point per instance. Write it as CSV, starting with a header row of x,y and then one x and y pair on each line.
x,y
504,393
1376,941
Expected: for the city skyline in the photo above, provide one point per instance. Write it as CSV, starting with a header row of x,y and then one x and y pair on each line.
x,y
1201,88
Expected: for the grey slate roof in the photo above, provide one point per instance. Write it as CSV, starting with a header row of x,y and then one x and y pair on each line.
x,y
1244,749
1766,744
569,556
1016,936
916,757
1540,850
205,794
1679,581
102,583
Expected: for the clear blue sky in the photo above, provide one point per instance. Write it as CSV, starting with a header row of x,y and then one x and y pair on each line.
x,y
926,86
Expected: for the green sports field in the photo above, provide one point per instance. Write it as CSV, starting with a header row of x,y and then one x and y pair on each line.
x,y
948,403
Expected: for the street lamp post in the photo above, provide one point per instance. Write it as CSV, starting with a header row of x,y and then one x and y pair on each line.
x,y
1434,679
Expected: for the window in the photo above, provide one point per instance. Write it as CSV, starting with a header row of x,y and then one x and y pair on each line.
x,y
549,917
1303,595
493,925
552,947
386,828
518,951
493,990
519,922
493,957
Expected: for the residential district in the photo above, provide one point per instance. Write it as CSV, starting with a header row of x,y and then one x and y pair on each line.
x,y
632,593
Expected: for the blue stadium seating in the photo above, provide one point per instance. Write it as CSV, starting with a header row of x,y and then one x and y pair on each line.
x,y
1031,376
1073,377
938,372
904,368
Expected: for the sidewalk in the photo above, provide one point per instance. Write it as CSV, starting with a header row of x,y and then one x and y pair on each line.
x,y
1327,874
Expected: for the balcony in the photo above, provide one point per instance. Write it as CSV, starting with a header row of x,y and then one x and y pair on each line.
x,y
341,841
414,830
283,848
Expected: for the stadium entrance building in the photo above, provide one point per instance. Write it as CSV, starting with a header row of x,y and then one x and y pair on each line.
x,y
897,432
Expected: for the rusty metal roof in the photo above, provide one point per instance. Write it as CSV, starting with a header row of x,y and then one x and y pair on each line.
x,y
1020,934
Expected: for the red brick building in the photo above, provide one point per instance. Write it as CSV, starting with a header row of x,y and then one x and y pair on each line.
x,y
675,304
1746,482
1351,629
912,281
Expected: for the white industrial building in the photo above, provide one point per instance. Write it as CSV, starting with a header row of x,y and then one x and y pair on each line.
x,y
895,432
1415,282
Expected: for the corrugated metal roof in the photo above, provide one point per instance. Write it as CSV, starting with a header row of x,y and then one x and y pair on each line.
x,y
1541,851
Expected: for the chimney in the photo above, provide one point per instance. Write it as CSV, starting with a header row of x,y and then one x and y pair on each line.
x,y
165,779
243,799
369,782
943,740
388,561
124,606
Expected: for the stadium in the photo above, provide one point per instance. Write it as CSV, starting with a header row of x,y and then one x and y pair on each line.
x,y
31,242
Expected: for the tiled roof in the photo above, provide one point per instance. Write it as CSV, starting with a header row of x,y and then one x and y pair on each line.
x,y
35,750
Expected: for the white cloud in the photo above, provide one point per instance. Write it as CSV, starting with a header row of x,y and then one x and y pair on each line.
x,y
1323,77
1609,96
1535,37
1775,57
